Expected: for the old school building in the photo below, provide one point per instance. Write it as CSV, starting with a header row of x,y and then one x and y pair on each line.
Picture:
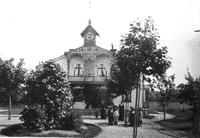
x,y
88,67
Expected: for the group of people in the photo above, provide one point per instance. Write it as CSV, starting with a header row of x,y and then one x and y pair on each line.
x,y
116,113
113,115
132,116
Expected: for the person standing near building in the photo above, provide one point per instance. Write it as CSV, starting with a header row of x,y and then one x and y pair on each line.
x,y
131,116
103,111
121,111
140,118
116,115
110,115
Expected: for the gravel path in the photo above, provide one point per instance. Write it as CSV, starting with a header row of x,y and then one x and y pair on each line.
x,y
149,129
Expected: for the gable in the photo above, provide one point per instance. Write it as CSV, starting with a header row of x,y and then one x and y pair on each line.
x,y
87,29
90,49
88,52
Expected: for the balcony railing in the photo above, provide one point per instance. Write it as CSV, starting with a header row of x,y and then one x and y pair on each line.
x,y
88,78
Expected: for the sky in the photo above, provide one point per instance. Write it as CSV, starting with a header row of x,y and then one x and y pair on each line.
x,y
39,30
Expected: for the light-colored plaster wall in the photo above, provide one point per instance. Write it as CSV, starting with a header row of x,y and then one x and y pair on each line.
x,y
63,63
73,60
118,99
103,59
89,67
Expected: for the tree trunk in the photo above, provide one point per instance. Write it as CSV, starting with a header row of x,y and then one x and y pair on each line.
x,y
198,113
9,109
164,112
136,111
126,111
183,107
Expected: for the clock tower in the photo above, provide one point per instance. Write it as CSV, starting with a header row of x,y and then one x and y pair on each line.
x,y
89,34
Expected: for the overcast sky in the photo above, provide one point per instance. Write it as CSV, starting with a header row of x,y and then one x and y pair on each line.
x,y
39,30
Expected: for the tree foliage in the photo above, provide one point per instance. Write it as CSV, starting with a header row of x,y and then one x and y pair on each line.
x,y
138,55
166,90
48,97
12,77
188,93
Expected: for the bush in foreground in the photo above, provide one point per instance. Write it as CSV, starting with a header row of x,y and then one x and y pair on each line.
x,y
72,120
48,98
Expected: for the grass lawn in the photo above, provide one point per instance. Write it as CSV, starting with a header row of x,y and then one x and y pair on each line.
x,y
181,121
14,110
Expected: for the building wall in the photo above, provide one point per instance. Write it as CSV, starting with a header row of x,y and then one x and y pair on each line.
x,y
118,99
89,67
72,63
103,59
62,61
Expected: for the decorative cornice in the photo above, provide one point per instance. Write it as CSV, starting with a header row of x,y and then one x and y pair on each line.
x,y
88,52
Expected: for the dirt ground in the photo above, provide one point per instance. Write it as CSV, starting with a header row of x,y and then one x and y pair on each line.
x,y
149,129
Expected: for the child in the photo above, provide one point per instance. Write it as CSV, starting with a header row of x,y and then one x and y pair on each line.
x,y
116,115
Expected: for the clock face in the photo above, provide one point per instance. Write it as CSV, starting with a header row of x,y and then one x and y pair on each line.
x,y
89,36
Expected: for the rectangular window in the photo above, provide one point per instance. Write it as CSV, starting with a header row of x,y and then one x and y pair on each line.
x,y
77,70
102,70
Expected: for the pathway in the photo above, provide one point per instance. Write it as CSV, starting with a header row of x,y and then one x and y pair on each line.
x,y
149,129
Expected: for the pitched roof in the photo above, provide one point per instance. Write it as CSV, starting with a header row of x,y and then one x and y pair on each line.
x,y
83,49
89,26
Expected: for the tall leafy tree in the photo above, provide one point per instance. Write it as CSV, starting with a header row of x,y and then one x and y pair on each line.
x,y
138,55
166,91
11,78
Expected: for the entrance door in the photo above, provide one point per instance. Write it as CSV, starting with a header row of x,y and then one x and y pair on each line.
x,y
78,95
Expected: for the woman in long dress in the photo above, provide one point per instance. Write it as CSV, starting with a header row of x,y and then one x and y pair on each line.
x,y
121,111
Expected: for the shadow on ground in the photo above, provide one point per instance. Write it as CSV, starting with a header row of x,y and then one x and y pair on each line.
x,y
19,130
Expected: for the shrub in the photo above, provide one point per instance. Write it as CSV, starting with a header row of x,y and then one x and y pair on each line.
x,y
48,97
72,120
34,118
